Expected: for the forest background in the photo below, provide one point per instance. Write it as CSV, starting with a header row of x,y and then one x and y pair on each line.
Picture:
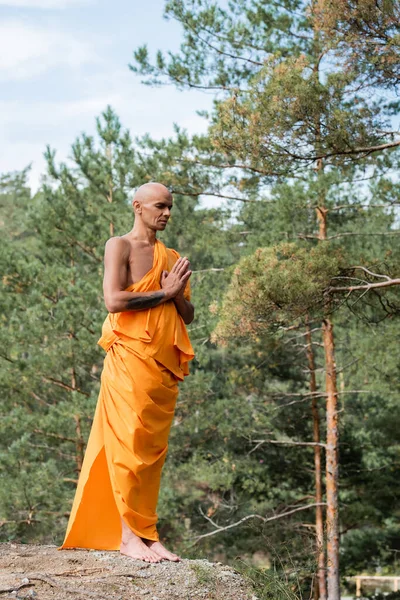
x,y
300,251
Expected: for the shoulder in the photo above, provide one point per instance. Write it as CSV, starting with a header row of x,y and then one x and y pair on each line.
x,y
117,245
117,242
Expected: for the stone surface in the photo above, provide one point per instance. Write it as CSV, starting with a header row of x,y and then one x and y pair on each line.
x,y
45,573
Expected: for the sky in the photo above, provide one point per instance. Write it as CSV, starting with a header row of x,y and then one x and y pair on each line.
x,y
63,61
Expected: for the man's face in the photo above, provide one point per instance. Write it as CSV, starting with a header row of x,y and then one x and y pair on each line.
x,y
155,212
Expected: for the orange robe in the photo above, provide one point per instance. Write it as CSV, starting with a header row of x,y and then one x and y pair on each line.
x,y
147,354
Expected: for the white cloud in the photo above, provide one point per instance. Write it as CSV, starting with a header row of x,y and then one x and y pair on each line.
x,y
27,124
26,127
27,50
52,4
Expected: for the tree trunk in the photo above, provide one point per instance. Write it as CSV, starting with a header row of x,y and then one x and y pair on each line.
x,y
332,441
332,464
110,188
80,444
320,588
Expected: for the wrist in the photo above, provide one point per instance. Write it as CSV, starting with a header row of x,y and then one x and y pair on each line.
x,y
178,298
167,295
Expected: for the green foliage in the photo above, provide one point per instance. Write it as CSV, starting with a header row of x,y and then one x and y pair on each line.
x,y
235,446
288,118
223,46
204,575
370,547
368,33
270,584
275,286
295,133
52,312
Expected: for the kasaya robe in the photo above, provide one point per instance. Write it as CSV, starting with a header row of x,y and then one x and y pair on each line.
x,y
147,355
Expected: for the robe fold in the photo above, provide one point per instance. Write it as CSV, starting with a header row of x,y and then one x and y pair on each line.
x,y
147,355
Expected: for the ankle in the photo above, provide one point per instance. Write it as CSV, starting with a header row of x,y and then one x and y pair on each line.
x,y
129,537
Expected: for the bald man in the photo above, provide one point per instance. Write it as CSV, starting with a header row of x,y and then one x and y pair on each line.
x,y
147,295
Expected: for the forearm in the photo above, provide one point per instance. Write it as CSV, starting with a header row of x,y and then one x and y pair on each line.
x,y
184,308
122,301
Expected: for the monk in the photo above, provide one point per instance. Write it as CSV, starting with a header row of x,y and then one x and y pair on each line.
x,y
147,295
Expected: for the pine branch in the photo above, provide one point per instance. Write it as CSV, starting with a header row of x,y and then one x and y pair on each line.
x,y
206,193
347,233
355,206
351,152
55,435
213,269
27,521
367,286
39,399
233,43
255,516
64,386
217,50
370,272
7,358
88,251
289,442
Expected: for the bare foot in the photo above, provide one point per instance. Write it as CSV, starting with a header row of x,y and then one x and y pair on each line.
x,y
161,550
134,547
137,549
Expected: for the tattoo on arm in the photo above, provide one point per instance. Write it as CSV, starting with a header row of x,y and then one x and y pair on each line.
x,y
147,301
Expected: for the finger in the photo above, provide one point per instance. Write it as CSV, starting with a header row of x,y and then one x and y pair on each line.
x,y
183,267
184,281
178,265
185,277
174,267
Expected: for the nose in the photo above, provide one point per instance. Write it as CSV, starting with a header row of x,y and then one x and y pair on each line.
x,y
167,212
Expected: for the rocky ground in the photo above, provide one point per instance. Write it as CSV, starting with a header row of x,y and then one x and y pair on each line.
x,y
45,573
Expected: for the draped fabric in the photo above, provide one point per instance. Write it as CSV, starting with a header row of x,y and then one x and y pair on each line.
x,y
147,355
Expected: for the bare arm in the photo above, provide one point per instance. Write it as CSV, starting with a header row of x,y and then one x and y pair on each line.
x,y
116,298
183,306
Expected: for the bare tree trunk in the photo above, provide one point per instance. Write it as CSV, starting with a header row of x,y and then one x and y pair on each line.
x,y
110,189
332,463
80,444
332,454
320,587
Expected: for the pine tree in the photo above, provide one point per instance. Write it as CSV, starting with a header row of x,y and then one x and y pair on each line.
x,y
53,309
289,106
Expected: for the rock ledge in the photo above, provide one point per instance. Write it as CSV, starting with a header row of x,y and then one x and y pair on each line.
x,y
45,573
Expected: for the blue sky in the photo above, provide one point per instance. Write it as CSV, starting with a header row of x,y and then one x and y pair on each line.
x,y
63,61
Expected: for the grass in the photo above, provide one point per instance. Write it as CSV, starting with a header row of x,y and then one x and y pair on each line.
x,y
204,575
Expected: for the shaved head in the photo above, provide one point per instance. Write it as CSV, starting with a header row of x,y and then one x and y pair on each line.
x,y
149,192
152,204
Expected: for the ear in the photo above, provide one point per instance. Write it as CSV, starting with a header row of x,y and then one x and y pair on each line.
x,y
137,208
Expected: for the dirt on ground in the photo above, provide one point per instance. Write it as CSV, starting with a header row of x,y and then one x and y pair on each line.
x,y
44,573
